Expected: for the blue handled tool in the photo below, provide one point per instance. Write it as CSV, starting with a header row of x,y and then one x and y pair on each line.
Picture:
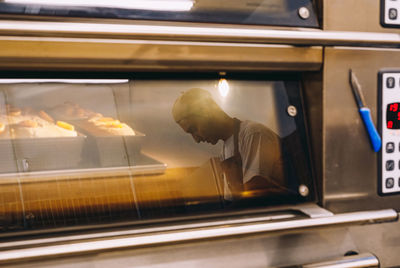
x,y
365,113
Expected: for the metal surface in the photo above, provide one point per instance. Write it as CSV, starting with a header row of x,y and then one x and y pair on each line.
x,y
186,235
142,231
33,45
311,246
356,261
350,165
314,211
196,32
284,212
355,86
100,54
355,15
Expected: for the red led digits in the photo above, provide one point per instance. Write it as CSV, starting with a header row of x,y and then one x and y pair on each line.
x,y
393,115
394,107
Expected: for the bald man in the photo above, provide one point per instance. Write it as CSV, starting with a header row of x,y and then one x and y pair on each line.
x,y
251,156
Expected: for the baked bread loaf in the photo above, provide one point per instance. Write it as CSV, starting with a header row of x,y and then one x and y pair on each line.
x,y
27,123
91,122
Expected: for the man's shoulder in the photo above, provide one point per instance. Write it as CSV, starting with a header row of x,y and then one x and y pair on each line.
x,y
250,130
248,127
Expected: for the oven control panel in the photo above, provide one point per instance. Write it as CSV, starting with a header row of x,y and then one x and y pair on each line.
x,y
390,13
389,126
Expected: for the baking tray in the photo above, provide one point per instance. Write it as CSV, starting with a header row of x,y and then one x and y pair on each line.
x,y
110,150
36,154
106,150
145,166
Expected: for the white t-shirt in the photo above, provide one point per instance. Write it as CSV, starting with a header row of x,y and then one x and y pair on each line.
x,y
260,151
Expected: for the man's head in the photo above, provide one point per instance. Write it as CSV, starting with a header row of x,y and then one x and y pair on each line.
x,y
199,115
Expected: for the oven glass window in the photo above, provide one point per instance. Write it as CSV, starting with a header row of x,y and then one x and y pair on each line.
x,y
95,151
260,12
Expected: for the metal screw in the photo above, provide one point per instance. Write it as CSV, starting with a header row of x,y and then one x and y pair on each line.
x,y
291,110
303,190
304,13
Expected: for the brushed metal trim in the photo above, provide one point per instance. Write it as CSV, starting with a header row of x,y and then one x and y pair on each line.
x,y
141,231
116,54
203,233
355,261
283,213
315,211
197,33
177,222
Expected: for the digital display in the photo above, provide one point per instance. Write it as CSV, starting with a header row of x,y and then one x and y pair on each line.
x,y
393,115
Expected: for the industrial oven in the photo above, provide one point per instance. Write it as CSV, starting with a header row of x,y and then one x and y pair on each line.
x,y
187,133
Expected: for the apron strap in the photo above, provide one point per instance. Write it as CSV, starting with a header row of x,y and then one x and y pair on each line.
x,y
236,129
232,167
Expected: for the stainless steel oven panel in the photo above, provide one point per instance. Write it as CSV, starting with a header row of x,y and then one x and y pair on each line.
x,y
354,15
289,249
196,32
300,234
350,166
31,53
33,45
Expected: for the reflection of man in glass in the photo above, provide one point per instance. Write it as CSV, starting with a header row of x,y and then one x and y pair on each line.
x,y
252,156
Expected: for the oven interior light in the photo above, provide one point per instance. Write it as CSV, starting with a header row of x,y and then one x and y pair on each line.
x,y
223,87
161,5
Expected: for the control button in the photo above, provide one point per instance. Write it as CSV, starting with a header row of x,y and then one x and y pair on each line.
x,y
389,165
389,183
390,147
392,13
390,82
